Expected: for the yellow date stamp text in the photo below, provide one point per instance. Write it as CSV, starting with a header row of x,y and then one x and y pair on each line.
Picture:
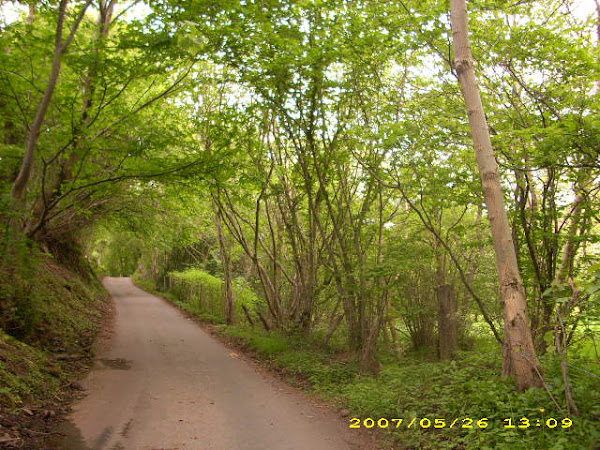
x,y
463,422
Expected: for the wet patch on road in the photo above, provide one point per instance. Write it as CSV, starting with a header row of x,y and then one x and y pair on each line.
x,y
116,363
70,437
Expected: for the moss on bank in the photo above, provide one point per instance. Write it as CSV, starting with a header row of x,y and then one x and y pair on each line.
x,y
49,316
27,374
49,306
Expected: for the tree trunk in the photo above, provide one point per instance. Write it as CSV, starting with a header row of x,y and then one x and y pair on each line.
x,y
60,46
520,357
367,362
248,315
47,200
31,15
263,320
229,300
20,183
332,327
447,321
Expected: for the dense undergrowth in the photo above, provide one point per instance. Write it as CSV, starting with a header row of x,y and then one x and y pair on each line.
x,y
468,389
201,294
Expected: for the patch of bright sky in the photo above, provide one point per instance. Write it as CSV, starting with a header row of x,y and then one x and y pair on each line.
x,y
583,8
11,12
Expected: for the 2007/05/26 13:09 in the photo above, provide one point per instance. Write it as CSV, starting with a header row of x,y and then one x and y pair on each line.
x,y
466,422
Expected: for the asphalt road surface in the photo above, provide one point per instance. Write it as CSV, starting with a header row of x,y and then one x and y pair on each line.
x,y
161,382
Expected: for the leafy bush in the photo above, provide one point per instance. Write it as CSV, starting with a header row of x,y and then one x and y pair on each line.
x,y
268,345
202,294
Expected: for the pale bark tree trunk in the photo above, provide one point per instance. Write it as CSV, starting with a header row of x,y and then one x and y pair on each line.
x,y
520,358
31,15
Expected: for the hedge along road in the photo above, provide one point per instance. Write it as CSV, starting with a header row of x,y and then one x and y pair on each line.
x,y
161,382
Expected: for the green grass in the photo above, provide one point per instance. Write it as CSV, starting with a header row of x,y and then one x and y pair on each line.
x,y
266,344
27,374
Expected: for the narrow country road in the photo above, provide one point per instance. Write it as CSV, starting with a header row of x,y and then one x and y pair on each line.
x,y
163,383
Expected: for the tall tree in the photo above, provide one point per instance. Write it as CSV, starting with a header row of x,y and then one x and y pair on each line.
x,y
60,47
520,358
